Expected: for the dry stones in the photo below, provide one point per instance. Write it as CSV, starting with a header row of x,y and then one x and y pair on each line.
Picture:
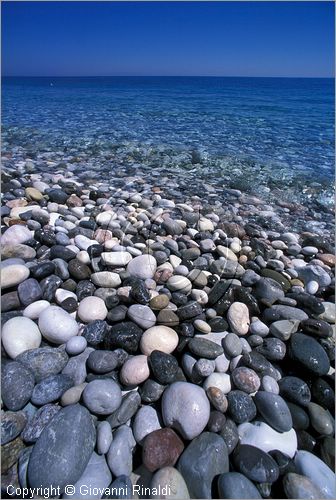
x,y
185,408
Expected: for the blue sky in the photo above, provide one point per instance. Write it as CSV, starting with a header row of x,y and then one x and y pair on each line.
x,y
168,38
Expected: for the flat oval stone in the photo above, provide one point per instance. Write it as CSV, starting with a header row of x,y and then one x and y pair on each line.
x,y
236,485
13,275
232,345
92,309
316,328
104,437
265,438
172,477
106,279
309,353
51,389
63,450
142,315
298,486
238,318
135,370
20,334
274,410
102,397
17,384
320,419
160,338
241,406
204,458
185,408
255,464
34,310
319,473
295,390
143,266
179,284
56,325
102,361
245,379
16,234
204,348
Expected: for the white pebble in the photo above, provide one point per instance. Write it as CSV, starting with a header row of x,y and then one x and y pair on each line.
x,y
20,334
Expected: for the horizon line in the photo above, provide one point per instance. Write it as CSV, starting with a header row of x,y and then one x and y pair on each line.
x,y
164,76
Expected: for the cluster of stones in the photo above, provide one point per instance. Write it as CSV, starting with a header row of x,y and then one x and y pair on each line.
x,y
149,342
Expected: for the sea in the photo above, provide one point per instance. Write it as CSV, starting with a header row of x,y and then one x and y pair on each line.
x,y
261,135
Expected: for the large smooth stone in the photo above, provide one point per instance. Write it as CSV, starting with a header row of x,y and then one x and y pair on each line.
x,y
13,275
186,408
44,361
143,266
314,273
20,334
17,384
274,410
142,315
94,480
297,486
102,396
236,485
63,450
171,477
265,438
255,464
56,325
309,353
318,472
158,338
238,317
320,419
91,309
16,234
204,458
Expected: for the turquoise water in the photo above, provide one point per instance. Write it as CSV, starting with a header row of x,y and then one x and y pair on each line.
x,y
264,129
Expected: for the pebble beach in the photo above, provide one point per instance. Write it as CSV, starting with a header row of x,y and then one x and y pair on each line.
x,y
167,332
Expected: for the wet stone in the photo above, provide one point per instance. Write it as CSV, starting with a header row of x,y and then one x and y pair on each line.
x,y
295,390
245,379
125,335
204,348
274,410
255,464
241,406
236,485
309,353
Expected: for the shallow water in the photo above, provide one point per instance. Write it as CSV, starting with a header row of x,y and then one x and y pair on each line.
x,y
256,134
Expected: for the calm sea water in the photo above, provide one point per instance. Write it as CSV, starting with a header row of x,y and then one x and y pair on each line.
x,y
285,126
